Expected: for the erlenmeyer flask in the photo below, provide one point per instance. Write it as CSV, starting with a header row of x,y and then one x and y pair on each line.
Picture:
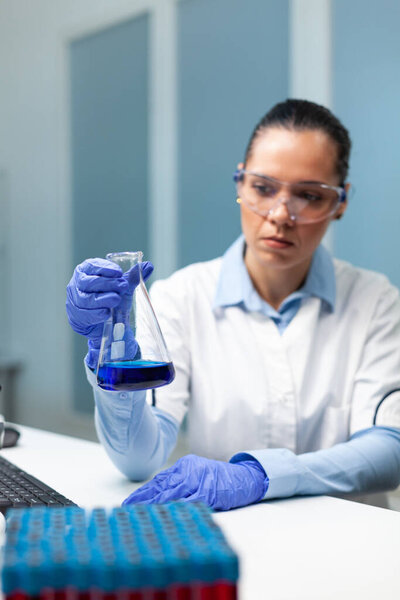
x,y
133,354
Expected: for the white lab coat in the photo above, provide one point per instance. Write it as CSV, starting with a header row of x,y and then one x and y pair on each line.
x,y
249,387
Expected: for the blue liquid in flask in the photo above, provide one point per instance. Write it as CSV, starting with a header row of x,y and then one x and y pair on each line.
x,y
131,375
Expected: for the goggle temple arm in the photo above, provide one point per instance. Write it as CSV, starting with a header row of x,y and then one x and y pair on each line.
x,y
238,175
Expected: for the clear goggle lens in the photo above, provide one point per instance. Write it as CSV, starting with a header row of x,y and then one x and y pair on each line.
x,y
305,202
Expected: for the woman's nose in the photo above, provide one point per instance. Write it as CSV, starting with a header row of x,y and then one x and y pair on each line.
x,y
280,213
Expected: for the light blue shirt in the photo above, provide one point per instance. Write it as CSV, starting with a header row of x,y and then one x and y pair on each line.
x,y
235,287
139,438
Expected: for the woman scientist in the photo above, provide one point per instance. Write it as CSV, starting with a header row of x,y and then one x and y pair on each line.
x,y
287,361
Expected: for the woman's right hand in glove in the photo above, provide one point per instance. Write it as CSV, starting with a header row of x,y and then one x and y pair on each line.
x,y
98,285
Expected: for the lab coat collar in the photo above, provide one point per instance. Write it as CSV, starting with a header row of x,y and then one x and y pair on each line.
x,y
235,287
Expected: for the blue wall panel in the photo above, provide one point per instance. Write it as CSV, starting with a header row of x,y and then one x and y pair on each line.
x,y
232,67
109,107
366,79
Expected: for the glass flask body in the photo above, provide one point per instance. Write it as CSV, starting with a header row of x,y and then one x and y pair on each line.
x,y
133,354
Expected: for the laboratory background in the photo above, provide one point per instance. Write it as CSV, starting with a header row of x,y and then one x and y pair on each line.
x,y
121,123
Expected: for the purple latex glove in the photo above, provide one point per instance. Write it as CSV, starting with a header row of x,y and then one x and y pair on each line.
x,y
192,478
98,285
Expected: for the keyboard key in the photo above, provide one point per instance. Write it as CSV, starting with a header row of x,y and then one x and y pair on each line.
x,y
34,501
18,503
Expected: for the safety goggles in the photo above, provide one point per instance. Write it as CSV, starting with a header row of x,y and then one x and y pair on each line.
x,y
305,202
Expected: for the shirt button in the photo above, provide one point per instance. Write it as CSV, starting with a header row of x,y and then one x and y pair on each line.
x,y
123,395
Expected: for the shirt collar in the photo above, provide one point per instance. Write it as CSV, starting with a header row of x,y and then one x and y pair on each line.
x,y
235,287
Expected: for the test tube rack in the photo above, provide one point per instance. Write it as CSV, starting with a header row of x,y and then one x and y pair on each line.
x,y
172,551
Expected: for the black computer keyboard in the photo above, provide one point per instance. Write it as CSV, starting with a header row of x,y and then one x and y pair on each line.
x,y
19,489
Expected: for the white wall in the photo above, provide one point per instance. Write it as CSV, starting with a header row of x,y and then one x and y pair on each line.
x,y
34,156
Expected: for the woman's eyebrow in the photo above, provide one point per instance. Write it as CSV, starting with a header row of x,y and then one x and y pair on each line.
x,y
306,181
313,181
259,174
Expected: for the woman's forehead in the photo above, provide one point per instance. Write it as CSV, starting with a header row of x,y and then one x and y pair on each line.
x,y
298,155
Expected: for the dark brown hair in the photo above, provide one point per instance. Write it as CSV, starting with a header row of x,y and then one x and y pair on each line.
x,y
299,115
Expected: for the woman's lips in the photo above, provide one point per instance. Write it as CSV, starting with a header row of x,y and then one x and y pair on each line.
x,y
276,242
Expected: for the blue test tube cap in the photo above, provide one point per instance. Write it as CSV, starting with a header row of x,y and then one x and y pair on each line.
x,y
12,574
132,571
78,570
37,568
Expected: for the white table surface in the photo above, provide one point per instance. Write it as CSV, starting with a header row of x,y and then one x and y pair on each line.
x,y
302,548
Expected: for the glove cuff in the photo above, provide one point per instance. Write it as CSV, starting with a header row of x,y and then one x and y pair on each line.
x,y
260,477
92,357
